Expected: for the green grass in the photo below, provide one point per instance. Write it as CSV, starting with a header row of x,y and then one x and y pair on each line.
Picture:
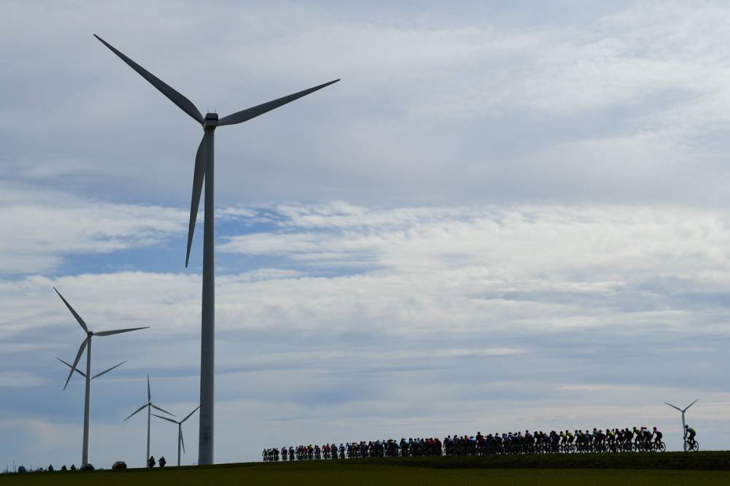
x,y
709,468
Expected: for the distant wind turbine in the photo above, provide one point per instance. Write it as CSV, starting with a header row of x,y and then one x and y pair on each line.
x,y
180,440
204,171
86,345
149,406
684,433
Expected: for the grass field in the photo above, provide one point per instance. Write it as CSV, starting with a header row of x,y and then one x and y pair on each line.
x,y
709,468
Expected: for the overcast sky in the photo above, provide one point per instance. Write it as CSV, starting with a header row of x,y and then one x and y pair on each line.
x,y
503,217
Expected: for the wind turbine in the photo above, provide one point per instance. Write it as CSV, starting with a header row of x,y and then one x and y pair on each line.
x,y
204,171
180,440
86,343
684,434
149,406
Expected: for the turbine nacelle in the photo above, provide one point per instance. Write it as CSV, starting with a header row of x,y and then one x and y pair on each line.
x,y
211,121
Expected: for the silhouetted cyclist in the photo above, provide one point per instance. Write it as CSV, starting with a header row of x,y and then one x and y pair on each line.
x,y
657,436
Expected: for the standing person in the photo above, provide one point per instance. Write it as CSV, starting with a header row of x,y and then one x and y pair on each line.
x,y
151,462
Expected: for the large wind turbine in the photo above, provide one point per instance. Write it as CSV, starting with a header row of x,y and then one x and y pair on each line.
x,y
84,345
204,171
180,440
149,406
682,411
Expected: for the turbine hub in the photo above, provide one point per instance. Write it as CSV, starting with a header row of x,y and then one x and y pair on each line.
x,y
211,120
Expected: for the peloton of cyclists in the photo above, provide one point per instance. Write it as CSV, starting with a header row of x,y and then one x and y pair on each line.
x,y
604,440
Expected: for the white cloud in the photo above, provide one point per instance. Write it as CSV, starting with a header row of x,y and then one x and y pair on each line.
x,y
454,108
551,245
18,380
41,227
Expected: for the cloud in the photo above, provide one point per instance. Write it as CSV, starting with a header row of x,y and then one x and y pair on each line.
x,y
16,380
546,244
625,104
41,227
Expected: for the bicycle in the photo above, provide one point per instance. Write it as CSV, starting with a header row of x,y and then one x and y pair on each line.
x,y
658,446
691,445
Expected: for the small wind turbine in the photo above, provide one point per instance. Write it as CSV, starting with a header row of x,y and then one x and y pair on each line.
x,y
84,345
149,406
204,172
180,440
684,433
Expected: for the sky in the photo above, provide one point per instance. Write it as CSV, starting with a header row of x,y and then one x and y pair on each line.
x,y
506,216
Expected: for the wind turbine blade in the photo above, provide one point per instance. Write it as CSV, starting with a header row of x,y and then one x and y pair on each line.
x,y
182,102
137,411
107,371
77,370
249,113
78,317
190,414
673,406
182,440
149,390
198,178
118,331
690,405
161,410
164,418
76,361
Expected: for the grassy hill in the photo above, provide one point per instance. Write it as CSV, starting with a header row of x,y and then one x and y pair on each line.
x,y
705,468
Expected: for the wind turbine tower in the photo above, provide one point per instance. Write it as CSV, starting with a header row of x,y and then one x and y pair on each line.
x,y
149,406
86,345
180,440
683,410
204,171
